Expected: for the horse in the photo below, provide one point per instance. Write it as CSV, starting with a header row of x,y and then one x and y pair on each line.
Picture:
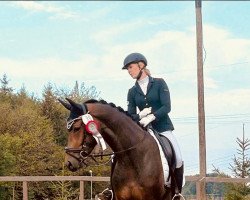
x,y
138,172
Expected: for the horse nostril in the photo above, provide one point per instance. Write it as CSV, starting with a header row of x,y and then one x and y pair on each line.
x,y
70,166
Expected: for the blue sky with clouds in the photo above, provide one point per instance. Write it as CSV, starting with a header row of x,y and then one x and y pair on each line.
x,y
86,41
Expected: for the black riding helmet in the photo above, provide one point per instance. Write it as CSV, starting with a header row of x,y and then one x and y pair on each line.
x,y
134,58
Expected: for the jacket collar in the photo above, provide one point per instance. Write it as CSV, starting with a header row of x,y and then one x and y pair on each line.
x,y
150,82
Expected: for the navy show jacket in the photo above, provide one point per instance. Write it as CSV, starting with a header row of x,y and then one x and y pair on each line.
x,y
157,97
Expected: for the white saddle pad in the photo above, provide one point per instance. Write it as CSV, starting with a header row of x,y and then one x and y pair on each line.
x,y
163,160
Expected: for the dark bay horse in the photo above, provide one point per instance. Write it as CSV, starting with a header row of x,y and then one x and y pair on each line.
x,y
138,173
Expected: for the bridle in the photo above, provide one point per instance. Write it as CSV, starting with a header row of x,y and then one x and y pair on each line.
x,y
88,121
83,157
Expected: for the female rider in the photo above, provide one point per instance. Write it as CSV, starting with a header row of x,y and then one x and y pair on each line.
x,y
151,96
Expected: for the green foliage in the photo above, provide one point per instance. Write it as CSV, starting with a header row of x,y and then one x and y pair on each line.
x,y
237,192
8,146
5,89
78,93
241,166
189,189
55,113
212,189
240,169
217,189
32,136
26,140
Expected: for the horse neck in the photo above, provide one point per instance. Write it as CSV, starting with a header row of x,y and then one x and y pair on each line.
x,y
122,132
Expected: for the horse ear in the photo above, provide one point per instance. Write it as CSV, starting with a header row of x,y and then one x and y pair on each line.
x,y
72,103
66,105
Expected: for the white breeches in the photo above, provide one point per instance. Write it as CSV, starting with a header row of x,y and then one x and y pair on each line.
x,y
172,138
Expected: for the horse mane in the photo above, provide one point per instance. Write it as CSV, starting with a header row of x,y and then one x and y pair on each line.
x,y
120,109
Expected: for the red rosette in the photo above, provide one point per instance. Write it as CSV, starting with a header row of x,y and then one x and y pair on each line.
x,y
91,127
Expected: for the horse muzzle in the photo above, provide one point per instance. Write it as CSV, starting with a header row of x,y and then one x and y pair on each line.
x,y
71,167
75,158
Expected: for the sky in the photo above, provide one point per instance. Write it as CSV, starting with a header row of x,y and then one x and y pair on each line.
x,y
61,42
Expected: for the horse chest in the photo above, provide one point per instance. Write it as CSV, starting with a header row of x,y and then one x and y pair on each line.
x,y
132,191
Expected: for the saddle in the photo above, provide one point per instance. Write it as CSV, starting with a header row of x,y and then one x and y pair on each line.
x,y
169,153
168,150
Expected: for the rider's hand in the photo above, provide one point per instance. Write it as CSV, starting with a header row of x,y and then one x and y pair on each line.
x,y
145,112
146,120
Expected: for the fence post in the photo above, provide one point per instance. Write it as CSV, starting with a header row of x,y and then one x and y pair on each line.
x,y
25,190
81,196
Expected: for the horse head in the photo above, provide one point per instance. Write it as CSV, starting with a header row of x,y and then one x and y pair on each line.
x,y
81,140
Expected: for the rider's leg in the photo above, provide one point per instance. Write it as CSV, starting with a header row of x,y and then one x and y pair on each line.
x,y
179,176
179,171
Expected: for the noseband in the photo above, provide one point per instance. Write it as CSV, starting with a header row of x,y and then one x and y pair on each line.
x,y
71,151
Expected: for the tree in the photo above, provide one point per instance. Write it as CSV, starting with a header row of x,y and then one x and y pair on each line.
x,y
212,189
4,85
5,90
30,131
240,169
78,94
63,190
23,93
27,143
54,112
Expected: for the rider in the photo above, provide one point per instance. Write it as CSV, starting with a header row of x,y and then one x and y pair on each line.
x,y
151,96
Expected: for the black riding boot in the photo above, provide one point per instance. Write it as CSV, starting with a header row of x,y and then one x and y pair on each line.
x,y
178,174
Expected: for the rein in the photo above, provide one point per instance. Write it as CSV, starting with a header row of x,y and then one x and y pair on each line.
x,y
121,151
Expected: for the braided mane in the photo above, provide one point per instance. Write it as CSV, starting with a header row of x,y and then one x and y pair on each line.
x,y
114,106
